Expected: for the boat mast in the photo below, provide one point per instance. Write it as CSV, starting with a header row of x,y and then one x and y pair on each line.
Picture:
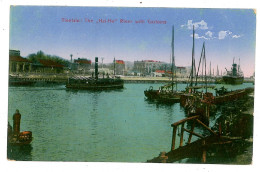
x,y
239,65
205,69
114,67
201,56
217,71
210,69
191,83
173,61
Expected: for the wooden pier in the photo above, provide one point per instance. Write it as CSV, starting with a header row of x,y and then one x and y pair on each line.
x,y
197,148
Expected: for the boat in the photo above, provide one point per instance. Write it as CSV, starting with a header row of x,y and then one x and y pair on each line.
x,y
234,76
166,93
95,83
24,138
14,136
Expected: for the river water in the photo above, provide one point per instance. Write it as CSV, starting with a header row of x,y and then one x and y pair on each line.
x,y
107,126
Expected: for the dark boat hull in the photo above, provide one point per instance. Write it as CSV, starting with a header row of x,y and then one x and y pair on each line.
x,y
24,138
94,86
233,80
164,97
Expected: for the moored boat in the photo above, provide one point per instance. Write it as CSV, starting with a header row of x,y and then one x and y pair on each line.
x,y
234,76
166,93
95,83
14,136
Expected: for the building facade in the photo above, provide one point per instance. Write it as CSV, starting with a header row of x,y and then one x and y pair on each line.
x,y
18,64
146,67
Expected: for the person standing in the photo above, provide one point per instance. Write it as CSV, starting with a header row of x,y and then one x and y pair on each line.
x,y
16,123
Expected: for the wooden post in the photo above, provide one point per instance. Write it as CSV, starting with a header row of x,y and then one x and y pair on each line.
x,y
182,130
204,153
174,137
192,129
162,157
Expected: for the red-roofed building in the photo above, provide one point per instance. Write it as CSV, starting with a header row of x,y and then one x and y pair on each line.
x,y
17,63
146,67
48,66
120,67
160,71
120,62
81,65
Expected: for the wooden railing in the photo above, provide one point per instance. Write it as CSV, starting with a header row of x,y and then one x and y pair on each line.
x,y
182,122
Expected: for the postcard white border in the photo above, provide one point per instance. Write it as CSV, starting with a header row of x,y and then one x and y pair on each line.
x,y
70,166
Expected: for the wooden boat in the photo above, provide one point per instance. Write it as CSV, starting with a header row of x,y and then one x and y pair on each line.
x,y
166,93
23,138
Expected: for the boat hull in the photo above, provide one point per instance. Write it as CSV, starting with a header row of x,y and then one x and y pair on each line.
x,y
233,80
163,97
94,86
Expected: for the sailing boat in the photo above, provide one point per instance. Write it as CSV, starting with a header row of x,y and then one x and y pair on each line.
x,y
194,100
166,93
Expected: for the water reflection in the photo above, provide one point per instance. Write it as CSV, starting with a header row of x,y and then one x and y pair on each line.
x,y
19,153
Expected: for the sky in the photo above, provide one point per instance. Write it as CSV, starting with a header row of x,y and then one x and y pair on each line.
x,y
228,34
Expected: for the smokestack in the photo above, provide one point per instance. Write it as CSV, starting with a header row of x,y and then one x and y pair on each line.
x,y
71,58
96,68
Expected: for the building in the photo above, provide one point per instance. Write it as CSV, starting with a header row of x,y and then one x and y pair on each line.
x,y
81,66
47,66
158,73
182,72
18,64
14,52
146,67
120,67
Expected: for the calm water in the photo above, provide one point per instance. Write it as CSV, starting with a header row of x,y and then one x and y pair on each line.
x,y
111,126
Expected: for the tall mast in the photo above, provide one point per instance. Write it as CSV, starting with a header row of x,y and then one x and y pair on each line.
x,y
114,66
210,69
191,83
239,65
201,56
205,68
173,61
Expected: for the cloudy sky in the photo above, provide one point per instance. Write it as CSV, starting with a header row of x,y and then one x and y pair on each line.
x,y
228,33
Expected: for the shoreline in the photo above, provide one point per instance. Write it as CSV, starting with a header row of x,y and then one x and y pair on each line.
x,y
62,78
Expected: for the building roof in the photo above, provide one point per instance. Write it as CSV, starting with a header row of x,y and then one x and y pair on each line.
x,y
49,63
160,71
18,59
151,61
120,62
82,61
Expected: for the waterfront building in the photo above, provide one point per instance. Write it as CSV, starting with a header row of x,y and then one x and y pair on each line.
x,y
47,66
146,67
158,73
182,72
18,64
81,66
120,67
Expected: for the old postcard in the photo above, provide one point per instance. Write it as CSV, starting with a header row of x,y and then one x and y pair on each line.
x,y
127,84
